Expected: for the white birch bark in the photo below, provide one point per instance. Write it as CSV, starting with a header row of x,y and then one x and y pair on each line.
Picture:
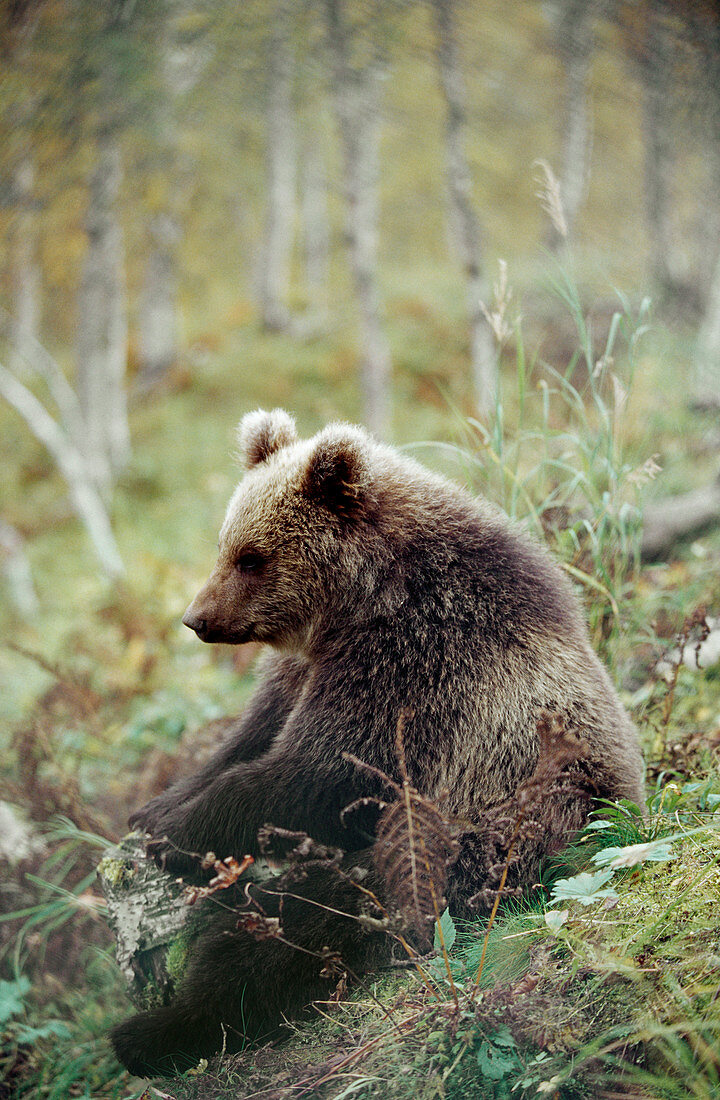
x,y
25,272
280,171
356,95
706,381
157,320
17,571
38,361
148,913
84,495
154,926
706,384
181,66
665,262
575,37
465,221
102,324
315,220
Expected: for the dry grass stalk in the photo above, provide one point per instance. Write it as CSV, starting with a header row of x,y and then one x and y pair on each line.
x,y
694,624
550,197
496,315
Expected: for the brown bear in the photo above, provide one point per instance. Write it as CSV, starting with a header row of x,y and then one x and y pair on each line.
x,y
383,589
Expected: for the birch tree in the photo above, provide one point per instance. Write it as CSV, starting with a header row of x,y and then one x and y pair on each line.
x,y
357,72
157,320
656,67
64,432
281,158
72,464
575,36
116,48
102,323
24,268
19,95
316,229
180,60
483,351
315,223
16,568
706,381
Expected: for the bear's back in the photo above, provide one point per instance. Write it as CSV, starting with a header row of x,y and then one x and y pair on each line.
x,y
474,629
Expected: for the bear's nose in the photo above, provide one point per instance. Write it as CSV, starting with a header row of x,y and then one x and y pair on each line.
x,y
195,623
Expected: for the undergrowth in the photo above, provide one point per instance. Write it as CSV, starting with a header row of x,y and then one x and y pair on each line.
x,y
586,990
601,983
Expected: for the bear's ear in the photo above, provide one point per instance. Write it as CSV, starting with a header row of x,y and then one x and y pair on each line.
x,y
338,471
260,434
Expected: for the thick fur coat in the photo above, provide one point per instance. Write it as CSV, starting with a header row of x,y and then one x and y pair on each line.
x,y
382,588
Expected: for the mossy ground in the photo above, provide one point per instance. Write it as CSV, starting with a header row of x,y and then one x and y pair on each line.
x,y
621,1000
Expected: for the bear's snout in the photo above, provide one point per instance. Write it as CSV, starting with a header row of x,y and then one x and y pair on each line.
x,y
200,626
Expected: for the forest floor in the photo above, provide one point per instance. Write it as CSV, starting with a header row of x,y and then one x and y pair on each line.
x,y
605,983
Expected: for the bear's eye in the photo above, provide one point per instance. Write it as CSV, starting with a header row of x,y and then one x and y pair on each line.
x,y
249,563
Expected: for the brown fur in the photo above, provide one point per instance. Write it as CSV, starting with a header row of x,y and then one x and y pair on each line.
x,y
381,587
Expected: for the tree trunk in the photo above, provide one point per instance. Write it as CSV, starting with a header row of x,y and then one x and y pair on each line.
x,y
356,95
25,272
180,65
575,40
483,350
315,221
73,466
157,322
706,385
37,360
149,917
280,172
17,571
665,263
102,325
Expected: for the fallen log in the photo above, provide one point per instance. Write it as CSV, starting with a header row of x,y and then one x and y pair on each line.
x,y
674,519
154,918
152,923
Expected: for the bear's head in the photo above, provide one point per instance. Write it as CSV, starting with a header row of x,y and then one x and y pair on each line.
x,y
294,539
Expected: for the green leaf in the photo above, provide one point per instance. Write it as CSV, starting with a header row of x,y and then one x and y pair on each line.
x,y
12,998
586,888
448,929
503,1038
30,1035
556,918
495,1062
654,851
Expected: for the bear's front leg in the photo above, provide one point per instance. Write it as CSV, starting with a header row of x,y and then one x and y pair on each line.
x,y
280,789
248,738
223,818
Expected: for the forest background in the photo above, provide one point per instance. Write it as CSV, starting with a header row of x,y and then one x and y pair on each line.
x,y
491,232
